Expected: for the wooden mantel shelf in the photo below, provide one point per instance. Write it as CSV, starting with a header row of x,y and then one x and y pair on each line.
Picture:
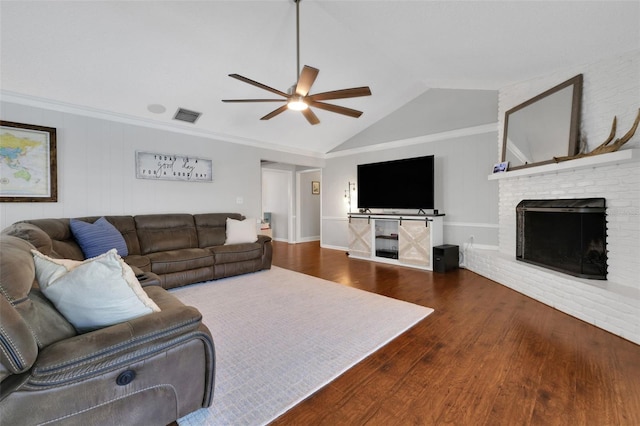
x,y
617,157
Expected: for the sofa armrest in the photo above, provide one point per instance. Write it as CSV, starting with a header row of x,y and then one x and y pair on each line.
x,y
263,238
112,347
145,278
267,251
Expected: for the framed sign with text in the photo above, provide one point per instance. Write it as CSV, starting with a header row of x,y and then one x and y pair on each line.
x,y
150,165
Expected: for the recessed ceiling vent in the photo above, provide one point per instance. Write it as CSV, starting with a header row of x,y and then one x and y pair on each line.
x,y
186,115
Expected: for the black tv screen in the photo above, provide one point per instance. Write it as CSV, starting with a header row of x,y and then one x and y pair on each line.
x,y
398,184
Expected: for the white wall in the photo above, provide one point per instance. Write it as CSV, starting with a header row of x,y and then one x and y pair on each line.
x,y
308,206
462,192
611,88
96,168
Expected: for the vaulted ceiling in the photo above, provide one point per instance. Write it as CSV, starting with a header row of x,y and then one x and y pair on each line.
x,y
120,57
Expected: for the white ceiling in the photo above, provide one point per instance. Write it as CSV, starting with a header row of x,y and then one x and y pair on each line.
x,y
121,56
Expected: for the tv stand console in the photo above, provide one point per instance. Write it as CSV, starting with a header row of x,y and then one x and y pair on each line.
x,y
406,240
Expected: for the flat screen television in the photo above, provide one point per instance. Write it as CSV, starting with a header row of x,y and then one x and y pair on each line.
x,y
397,184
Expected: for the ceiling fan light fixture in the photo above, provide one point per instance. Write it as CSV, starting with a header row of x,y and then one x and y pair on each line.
x,y
297,97
297,104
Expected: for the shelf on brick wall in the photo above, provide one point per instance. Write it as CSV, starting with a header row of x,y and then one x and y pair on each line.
x,y
617,157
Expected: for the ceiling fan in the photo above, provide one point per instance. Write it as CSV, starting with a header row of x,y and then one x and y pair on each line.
x,y
297,98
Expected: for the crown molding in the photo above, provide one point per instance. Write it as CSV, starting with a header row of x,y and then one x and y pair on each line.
x,y
54,105
436,137
34,101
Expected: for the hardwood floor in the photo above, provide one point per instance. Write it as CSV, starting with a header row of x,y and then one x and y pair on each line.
x,y
487,356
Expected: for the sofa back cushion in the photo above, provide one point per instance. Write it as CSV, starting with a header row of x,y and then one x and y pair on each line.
x,y
28,319
164,232
127,227
212,227
63,244
33,234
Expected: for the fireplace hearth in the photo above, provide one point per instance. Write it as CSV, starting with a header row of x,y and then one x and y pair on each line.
x,y
565,235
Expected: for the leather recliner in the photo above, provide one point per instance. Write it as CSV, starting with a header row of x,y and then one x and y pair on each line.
x,y
150,370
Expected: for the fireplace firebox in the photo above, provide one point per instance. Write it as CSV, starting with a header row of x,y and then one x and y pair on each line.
x,y
565,235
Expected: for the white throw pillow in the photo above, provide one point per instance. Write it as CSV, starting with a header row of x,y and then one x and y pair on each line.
x,y
94,293
241,231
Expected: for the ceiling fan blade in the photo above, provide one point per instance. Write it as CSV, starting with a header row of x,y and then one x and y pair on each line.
x,y
310,116
307,78
354,92
337,109
254,100
260,85
275,112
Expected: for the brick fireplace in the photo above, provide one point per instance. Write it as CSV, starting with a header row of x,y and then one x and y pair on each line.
x,y
611,88
612,304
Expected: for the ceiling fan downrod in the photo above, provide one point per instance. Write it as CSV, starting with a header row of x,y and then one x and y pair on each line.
x,y
297,2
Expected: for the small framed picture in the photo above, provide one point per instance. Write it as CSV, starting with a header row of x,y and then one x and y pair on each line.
x,y
501,167
315,187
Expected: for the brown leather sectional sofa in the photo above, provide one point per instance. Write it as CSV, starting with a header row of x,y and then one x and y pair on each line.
x,y
152,369
176,249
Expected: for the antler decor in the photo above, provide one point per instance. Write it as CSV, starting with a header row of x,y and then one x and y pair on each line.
x,y
606,146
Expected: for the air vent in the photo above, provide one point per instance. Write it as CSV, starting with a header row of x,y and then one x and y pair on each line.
x,y
186,115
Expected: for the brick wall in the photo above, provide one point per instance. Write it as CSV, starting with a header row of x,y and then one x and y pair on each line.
x,y
611,87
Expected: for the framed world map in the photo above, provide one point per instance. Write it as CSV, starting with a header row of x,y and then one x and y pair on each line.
x,y
28,170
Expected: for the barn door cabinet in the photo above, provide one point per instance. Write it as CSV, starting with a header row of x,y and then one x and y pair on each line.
x,y
406,240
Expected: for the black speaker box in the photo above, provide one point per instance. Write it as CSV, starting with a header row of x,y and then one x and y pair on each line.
x,y
445,258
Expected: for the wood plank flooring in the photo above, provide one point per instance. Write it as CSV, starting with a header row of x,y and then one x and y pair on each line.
x,y
487,356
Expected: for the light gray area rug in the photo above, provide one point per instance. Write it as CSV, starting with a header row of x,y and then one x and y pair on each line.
x,y
281,335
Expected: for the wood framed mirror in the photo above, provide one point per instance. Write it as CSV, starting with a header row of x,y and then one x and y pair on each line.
x,y
544,127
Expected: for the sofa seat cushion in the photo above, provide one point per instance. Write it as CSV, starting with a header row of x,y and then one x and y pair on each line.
x,y
137,261
236,253
166,262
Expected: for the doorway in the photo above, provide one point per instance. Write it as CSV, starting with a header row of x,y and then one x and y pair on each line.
x,y
294,206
